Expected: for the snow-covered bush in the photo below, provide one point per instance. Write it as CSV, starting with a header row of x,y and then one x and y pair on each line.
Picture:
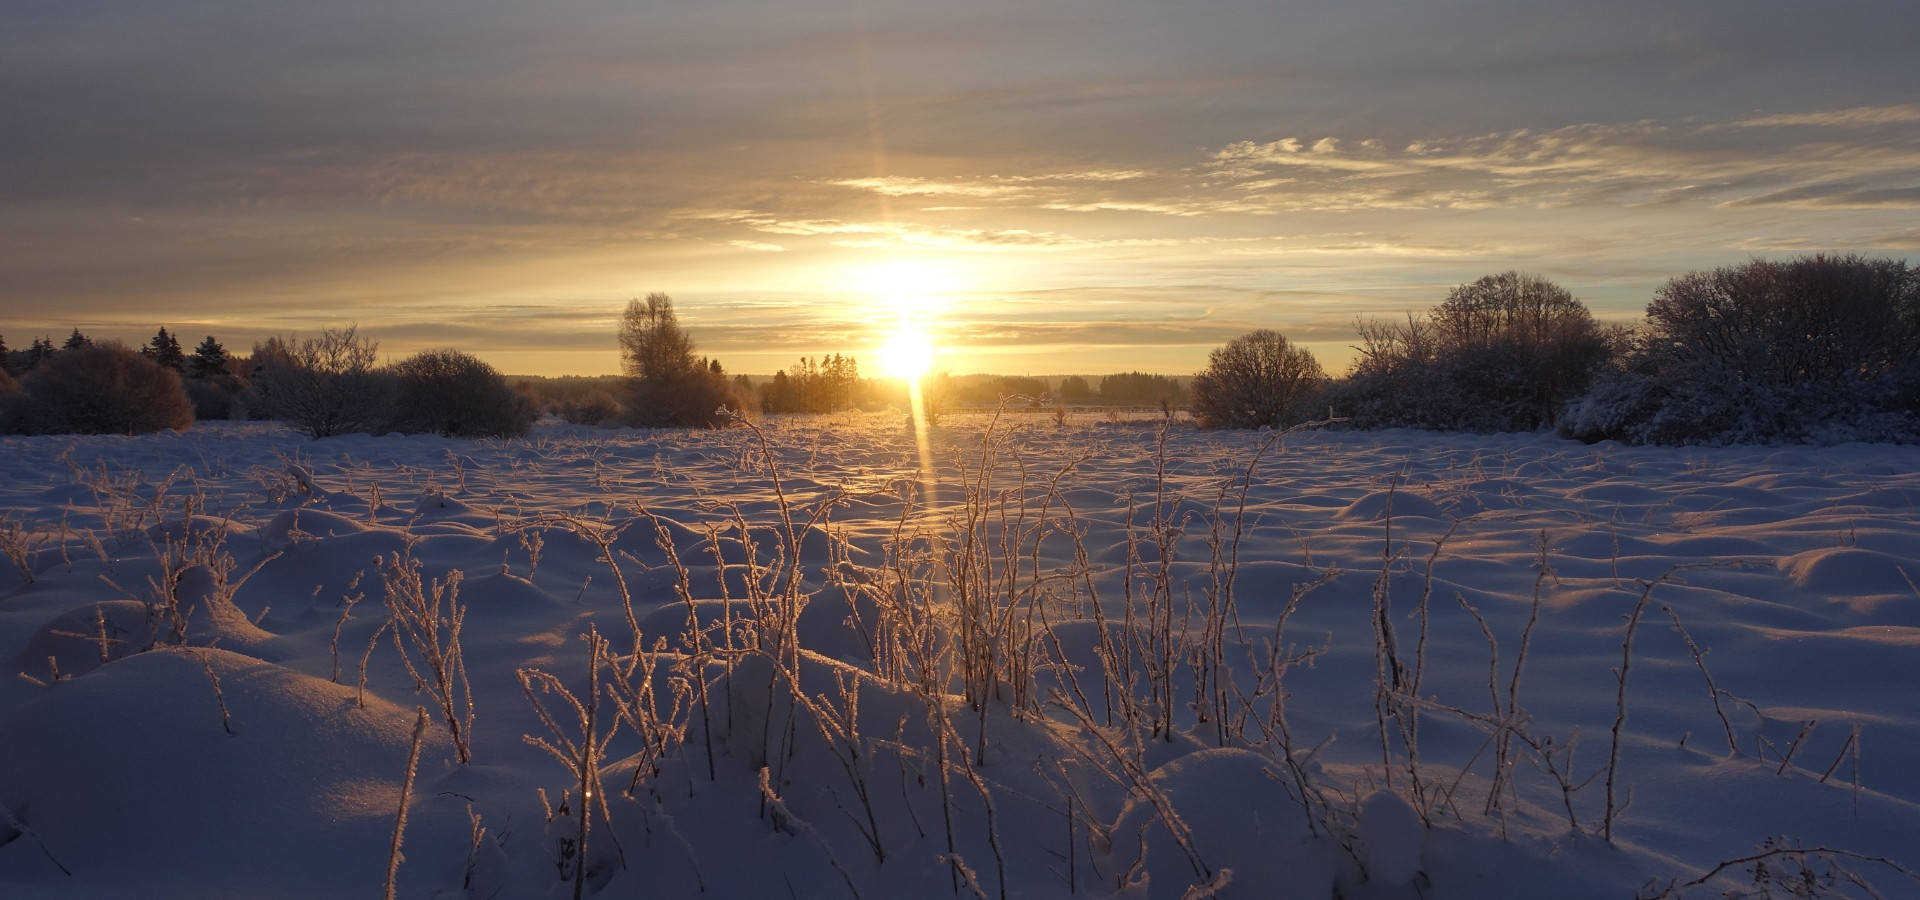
x,y
1504,353
1257,379
102,388
1818,349
454,394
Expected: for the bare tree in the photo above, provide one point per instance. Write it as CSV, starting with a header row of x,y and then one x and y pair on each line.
x,y
1504,353
670,388
653,346
321,386
1256,379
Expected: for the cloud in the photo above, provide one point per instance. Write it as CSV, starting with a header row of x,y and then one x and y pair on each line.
x,y
1858,117
1834,196
758,246
1642,162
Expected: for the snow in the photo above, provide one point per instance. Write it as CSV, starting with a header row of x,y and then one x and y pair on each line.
x,y
185,615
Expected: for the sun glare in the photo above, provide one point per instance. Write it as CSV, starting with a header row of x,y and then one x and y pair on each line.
x,y
909,292
908,354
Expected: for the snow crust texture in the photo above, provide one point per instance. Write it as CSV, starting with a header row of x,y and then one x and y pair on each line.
x,y
1006,658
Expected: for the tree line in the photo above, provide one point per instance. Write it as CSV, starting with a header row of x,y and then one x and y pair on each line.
x,y
1819,348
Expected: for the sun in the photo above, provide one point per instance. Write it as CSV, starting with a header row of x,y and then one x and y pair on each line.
x,y
908,354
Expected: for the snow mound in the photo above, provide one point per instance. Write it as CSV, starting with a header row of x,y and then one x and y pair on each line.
x,y
1377,505
130,780
1850,571
1235,812
1391,837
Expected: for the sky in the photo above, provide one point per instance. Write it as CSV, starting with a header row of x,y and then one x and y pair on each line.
x,y
1044,186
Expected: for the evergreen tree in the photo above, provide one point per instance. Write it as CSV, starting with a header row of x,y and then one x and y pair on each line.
x,y
164,349
77,341
209,359
6,358
42,348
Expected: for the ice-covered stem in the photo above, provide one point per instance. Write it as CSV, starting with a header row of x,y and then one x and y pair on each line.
x,y
1510,721
602,535
428,618
582,757
637,702
1802,853
406,797
784,815
219,696
1620,697
346,612
20,546
1390,676
1713,690
1141,783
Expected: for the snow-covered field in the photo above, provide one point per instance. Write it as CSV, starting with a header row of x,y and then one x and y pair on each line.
x,y
1393,668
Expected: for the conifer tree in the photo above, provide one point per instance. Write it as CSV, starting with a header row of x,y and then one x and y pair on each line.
x,y
209,359
77,341
164,349
42,348
6,358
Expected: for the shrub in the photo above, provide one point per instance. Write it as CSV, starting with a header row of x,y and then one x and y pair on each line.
x,y
1256,379
1819,348
321,386
596,408
1505,353
691,399
10,394
99,388
216,397
454,394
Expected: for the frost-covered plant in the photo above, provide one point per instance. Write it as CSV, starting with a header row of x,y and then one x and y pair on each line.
x,y
21,547
427,618
583,754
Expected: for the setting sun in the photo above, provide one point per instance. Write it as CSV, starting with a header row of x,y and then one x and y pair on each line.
x,y
908,354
